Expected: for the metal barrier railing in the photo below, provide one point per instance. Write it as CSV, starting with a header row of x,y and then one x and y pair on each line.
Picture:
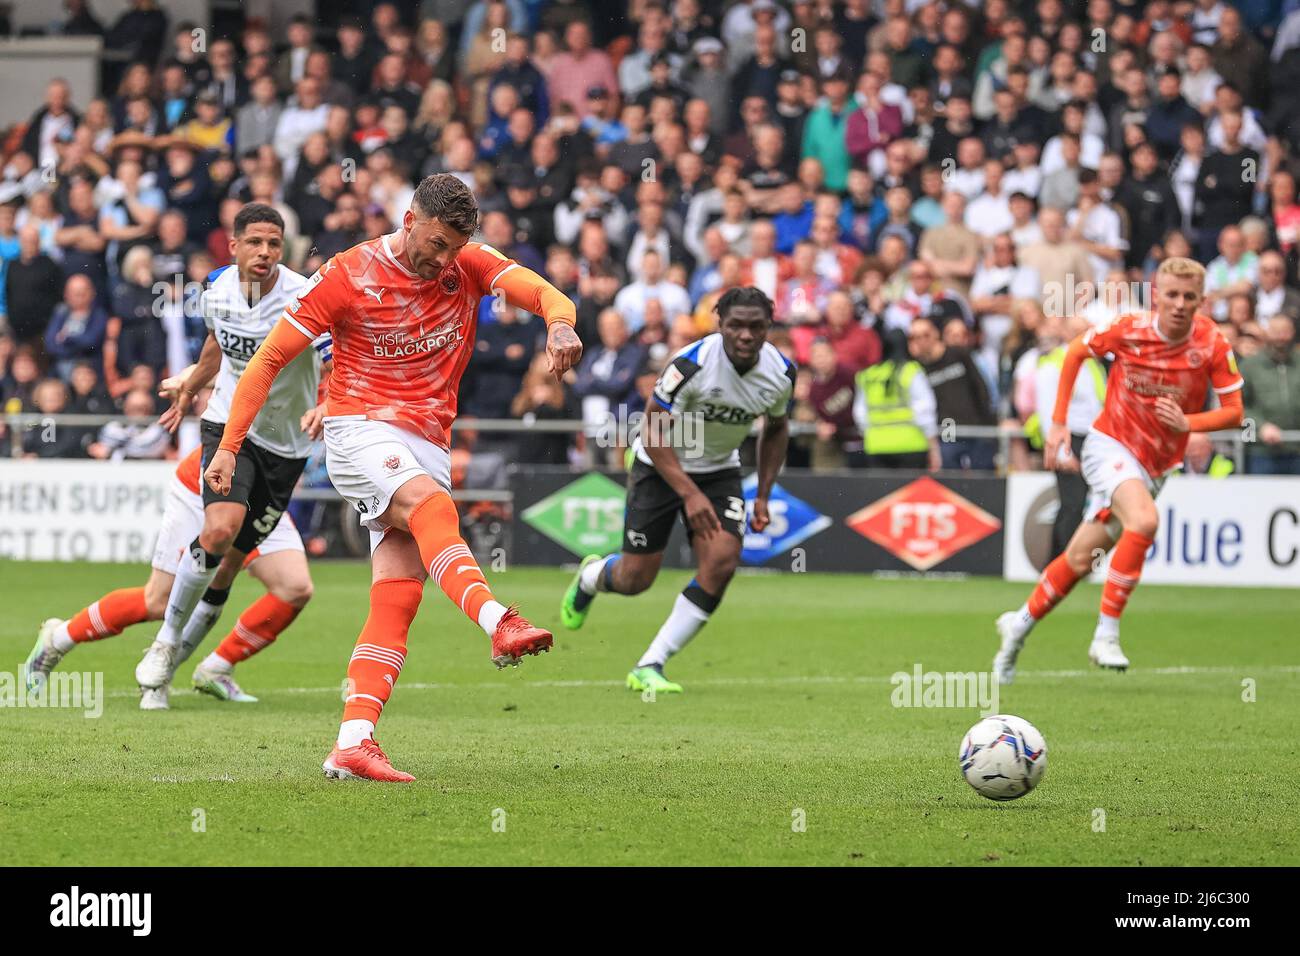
x,y
1004,434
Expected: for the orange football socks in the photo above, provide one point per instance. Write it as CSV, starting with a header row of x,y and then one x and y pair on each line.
x,y
259,626
435,525
381,649
111,614
1057,580
1125,571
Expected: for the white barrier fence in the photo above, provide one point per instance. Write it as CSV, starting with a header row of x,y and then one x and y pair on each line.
x,y
1241,531
81,510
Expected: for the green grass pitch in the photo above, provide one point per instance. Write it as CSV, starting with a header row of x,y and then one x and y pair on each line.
x,y
786,720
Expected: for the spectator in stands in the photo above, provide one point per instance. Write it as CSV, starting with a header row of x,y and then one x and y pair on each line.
x,y
952,251
18,387
605,379
1274,296
51,125
9,249
188,187
139,437
998,282
134,332
1060,262
1273,401
80,239
579,70
855,345
631,300
1223,190
826,127
257,120
503,352
130,212
830,398
1235,271
1096,226
47,438
961,396
89,397
77,328
541,398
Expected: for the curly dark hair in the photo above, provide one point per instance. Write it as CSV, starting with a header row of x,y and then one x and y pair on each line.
x,y
447,199
254,212
744,296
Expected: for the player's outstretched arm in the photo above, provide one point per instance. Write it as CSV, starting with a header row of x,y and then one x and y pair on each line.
x,y
285,343
656,438
773,442
196,378
1058,435
525,289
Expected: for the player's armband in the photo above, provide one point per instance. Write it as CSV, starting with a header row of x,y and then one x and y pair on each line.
x,y
673,379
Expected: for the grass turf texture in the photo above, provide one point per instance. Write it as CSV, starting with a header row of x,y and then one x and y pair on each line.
x,y
787,708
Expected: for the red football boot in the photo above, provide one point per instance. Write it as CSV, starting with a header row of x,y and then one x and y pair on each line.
x,y
515,637
365,761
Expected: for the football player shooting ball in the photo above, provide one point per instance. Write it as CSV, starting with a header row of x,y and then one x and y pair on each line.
x,y
402,309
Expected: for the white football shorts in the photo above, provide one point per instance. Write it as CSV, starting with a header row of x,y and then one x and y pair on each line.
x,y
1106,464
369,460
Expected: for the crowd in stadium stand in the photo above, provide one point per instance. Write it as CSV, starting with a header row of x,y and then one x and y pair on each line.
x,y
960,185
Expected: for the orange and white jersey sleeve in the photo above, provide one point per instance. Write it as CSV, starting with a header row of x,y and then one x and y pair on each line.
x,y
1224,375
522,287
1105,340
324,300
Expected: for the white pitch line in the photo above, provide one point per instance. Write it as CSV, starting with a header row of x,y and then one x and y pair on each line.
x,y
1245,671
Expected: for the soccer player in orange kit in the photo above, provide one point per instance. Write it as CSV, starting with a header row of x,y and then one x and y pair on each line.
x,y
1164,364
402,310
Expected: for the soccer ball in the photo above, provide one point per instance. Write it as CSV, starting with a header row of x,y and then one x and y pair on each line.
x,y
1003,757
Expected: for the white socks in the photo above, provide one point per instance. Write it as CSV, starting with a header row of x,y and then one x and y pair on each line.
x,y
62,640
1107,628
201,622
194,574
215,663
490,615
589,580
352,732
1023,622
683,624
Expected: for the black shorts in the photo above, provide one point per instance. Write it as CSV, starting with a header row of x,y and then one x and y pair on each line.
x,y
263,483
653,506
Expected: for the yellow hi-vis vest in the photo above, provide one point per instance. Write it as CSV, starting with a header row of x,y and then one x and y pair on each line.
x,y
891,425
1033,427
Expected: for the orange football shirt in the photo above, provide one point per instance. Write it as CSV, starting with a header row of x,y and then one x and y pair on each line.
x,y
1146,365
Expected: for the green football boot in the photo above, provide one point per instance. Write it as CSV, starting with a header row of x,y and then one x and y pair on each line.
x,y
577,602
651,679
